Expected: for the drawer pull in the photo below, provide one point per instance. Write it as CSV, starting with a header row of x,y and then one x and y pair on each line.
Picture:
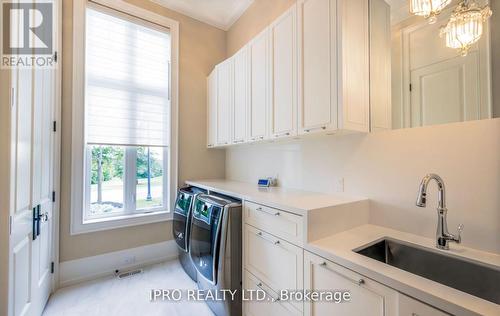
x,y
260,286
282,134
260,209
358,282
314,128
275,242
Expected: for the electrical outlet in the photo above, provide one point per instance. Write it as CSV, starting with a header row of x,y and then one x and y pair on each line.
x,y
129,260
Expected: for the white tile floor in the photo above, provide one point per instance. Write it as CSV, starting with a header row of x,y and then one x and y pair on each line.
x,y
127,297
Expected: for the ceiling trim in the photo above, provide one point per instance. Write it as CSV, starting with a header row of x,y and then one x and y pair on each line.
x,y
223,25
239,12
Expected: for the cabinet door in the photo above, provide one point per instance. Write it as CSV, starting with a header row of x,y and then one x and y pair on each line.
x,y
241,95
225,76
411,307
354,65
260,81
368,297
284,75
212,109
317,65
276,262
253,306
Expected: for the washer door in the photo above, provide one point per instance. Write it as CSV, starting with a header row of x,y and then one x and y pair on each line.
x,y
181,220
205,238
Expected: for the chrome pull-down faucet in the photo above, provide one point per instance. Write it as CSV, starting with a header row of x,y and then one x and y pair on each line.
x,y
443,237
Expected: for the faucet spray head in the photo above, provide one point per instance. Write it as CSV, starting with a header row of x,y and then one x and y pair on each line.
x,y
422,195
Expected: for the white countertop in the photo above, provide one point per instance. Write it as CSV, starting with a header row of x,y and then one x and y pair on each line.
x,y
295,201
338,248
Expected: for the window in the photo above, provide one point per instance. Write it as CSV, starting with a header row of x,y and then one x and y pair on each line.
x,y
127,134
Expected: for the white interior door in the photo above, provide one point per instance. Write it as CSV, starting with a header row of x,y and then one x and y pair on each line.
x,y
32,169
440,86
21,240
43,170
446,92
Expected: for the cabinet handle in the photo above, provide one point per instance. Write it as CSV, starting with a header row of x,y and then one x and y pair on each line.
x,y
274,242
282,134
260,209
358,282
260,286
315,128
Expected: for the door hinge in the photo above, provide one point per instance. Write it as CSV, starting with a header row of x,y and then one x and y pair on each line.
x,y
410,87
53,196
54,126
55,57
52,267
10,225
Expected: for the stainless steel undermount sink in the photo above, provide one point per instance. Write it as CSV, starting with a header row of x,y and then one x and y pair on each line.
x,y
469,276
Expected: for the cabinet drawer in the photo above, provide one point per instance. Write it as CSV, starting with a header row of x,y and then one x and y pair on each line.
x,y
368,298
411,307
276,262
252,307
277,222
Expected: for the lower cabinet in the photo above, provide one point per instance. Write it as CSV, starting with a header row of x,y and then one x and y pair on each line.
x,y
367,297
411,307
274,261
272,306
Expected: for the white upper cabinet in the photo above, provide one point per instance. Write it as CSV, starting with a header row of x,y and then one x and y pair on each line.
x,y
307,72
333,65
225,101
241,95
212,109
284,75
317,65
353,38
258,113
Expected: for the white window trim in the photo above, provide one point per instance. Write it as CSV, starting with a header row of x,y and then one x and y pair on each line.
x,y
78,124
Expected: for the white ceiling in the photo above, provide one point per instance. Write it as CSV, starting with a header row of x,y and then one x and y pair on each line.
x,y
219,13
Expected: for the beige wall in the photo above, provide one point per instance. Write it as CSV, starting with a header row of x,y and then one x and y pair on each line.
x,y
201,47
495,56
259,15
4,188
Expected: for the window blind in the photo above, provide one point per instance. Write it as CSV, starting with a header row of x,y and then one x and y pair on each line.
x,y
127,81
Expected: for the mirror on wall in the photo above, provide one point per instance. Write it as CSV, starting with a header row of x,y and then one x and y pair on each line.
x,y
432,62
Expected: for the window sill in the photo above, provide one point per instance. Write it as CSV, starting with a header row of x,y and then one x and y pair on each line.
x,y
115,222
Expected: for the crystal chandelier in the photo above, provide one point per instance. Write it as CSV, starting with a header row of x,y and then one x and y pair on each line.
x,y
465,26
428,8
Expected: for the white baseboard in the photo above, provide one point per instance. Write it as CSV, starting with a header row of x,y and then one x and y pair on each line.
x,y
90,268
